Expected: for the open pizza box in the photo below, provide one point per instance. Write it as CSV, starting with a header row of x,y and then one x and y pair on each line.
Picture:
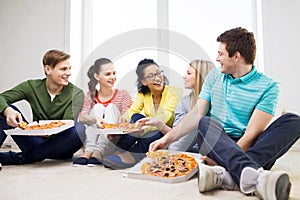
x,y
117,131
45,132
135,171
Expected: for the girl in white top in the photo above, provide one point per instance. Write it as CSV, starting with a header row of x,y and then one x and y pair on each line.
x,y
102,104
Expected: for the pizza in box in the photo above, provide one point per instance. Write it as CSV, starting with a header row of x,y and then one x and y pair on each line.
x,y
125,127
54,124
41,128
169,166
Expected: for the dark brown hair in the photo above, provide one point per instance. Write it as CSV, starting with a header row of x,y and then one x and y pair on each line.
x,y
239,39
95,68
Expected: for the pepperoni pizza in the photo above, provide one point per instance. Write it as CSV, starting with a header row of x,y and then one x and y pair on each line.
x,y
168,166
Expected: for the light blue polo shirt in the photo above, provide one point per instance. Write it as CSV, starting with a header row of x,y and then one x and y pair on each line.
x,y
233,101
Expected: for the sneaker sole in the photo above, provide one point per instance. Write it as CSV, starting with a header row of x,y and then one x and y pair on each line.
x,y
78,165
93,165
201,179
283,187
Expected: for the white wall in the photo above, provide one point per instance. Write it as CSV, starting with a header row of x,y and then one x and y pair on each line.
x,y
27,30
281,49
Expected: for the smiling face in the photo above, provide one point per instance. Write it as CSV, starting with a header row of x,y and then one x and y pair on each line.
x,y
190,78
59,74
153,78
107,75
228,64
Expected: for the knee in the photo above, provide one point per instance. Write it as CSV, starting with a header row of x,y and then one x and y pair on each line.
x,y
136,117
80,130
290,115
203,124
289,119
79,127
207,124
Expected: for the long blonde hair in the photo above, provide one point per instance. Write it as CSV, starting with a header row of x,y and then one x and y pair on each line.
x,y
202,68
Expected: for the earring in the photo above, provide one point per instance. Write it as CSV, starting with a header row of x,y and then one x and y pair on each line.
x,y
98,86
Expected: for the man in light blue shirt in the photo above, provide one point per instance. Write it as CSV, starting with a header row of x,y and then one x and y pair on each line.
x,y
233,100
233,113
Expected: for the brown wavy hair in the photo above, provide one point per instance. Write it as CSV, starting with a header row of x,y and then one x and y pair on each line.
x,y
95,68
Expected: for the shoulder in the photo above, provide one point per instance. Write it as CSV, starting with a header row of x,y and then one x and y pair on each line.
x,y
122,92
171,90
265,81
74,87
267,78
215,72
33,84
186,97
74,90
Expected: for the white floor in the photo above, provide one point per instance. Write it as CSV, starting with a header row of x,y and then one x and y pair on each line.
x,y
59,180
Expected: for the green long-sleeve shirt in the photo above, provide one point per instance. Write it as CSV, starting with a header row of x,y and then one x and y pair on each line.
x,y
66,105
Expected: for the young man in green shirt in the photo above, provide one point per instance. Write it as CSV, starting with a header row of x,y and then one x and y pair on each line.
x,y
51,98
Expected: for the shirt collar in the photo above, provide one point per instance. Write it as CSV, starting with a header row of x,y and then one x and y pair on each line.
x,y
243,79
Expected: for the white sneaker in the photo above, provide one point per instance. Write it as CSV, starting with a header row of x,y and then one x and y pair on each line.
x,y
265,184
214,177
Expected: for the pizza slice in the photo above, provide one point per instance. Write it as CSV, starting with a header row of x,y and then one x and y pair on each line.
x,y
109,125
154,155
23,125
125,127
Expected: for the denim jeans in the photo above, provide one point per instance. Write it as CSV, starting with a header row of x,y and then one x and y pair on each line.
x,y
274,142
36,148
137,146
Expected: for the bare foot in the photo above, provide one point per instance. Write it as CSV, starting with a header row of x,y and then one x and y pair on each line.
x,y
98,155
86,154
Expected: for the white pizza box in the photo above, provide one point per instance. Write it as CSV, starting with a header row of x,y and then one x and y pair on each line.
x,y
117,131
135,171
19,131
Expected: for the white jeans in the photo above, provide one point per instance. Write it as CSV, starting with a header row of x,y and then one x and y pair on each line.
x,y
95,140
110,113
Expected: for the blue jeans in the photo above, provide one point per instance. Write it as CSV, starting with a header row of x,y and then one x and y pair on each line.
x,y
274,142
137,146
36,148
